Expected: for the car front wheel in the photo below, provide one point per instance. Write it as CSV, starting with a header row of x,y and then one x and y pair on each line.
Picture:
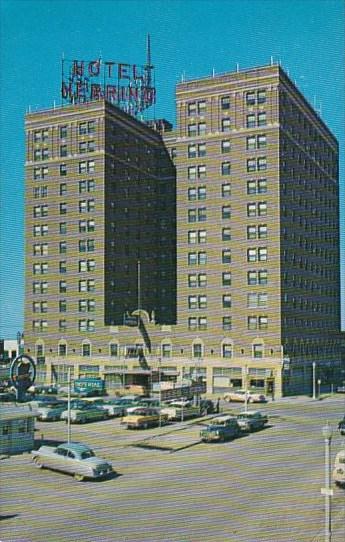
x,y
79,477
38,463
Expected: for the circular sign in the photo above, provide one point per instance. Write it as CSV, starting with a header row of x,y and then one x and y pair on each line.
x,y
22,372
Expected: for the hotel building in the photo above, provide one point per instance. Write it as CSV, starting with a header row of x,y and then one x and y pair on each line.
x,y
230,258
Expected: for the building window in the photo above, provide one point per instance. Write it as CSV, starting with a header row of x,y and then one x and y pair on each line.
x,y
166,350
202,128
226,212
201,107
63,151
261,96
62,305
192,151
62,349
227,301
192,258
262,141
225,103
250,98
192,194
202,258
63,132
262,163
227,350
192,130
63,227
192,173
86,350
251,121
226,168
192,302
202,216
226,190
192,237
251,143
202,280
226,279
191,109
258,351
225,146
192,323
202,149
202,236
63,208
251,165
63,170
62,247
226,256
202,323
262,120
62,267
62,286
192,281
227,323
226,234
201,172
226,125
62,325
114,350
63,189
197,350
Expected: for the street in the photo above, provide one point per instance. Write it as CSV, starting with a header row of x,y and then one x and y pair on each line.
x,y
169,487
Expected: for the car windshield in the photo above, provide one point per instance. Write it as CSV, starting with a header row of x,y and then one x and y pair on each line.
x,y
215,422
244,416
87,454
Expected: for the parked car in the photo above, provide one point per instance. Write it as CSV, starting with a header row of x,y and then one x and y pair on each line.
x,y
341,426
180,410
144,417
340,389
43,389
73,458
43,401
338,474
82,412
50,412
114,407
149,403
251,420
240,395
221,429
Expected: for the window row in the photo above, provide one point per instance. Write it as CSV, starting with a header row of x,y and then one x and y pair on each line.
x,y
200,301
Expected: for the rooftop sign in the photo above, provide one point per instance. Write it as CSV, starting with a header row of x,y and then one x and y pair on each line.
x,y
128,86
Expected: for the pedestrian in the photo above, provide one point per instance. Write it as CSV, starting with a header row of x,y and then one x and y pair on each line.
x,y
217,405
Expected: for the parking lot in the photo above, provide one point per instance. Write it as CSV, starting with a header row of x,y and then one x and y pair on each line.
x,y
170,487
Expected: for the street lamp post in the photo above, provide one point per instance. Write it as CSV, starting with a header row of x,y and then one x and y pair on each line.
x,y
327,491
160,392
69,407
314,381
319,388
246,388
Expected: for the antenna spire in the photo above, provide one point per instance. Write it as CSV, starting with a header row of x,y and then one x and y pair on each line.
x,y
148,66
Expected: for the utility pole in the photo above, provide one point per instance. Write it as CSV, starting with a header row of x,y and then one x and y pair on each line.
x,y
69,407
314,381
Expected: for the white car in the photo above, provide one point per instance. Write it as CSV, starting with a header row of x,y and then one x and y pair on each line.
x,y
338,474
240,396
73,458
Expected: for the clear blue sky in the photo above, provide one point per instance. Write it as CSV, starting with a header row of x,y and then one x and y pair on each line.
x,y
190,37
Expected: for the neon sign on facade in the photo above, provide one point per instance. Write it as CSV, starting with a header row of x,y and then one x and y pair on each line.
x,y
128,86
